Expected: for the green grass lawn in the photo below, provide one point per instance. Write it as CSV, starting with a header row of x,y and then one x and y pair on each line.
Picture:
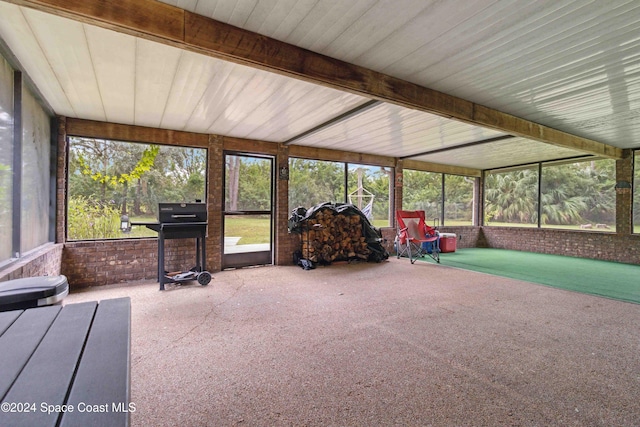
x,y
141,230
250,229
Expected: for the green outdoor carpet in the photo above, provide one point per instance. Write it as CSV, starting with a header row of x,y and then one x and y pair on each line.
x,y
602,278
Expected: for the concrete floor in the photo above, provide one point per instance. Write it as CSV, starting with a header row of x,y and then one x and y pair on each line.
x,y
378,344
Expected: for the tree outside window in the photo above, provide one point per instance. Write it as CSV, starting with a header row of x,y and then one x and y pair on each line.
x,y
458,200
108,179
422,191
312,182
511,197
579,195
574,195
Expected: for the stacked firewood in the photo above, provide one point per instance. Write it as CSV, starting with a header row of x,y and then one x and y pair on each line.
x,y
331,236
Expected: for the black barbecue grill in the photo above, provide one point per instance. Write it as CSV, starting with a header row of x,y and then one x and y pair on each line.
x,y
182,221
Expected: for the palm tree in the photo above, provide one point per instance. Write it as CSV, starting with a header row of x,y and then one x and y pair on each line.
x,y
512,196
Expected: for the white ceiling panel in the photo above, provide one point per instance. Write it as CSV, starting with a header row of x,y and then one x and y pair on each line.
x,y
227,81
16,32
393,53
293,110
93,73
68,55
503,153
156,68
113,56
325,21
197,80
248,103
390,130
572,65
567,64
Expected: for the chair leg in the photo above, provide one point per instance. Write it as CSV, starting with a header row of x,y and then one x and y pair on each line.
x,y
411,258
401,249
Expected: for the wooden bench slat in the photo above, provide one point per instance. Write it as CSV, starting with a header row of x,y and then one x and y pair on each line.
x,y
7,318
20,340
55,360
103,376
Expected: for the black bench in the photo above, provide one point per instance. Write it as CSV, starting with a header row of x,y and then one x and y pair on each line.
x,y
66,366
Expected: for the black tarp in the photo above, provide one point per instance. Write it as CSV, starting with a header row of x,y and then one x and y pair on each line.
x,y
373,236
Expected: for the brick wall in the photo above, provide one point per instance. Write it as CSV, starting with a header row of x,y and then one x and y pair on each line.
x,y
115,261
215,198
605,246
624,195
106,262
44,261
285,243
466,237
585,244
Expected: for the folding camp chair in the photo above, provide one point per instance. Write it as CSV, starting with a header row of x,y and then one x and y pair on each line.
x,y
415,238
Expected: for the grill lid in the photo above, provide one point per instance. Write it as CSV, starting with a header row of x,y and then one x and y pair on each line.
x,y
182,212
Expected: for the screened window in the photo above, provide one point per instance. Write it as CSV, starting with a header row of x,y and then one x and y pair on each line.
x,y
458,200
511,197
422,191
35,206
26,173
369,191
312,182
579,195
6,159
109,179
248,183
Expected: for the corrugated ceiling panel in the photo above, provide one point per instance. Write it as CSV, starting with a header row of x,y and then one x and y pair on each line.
x,y
563,38
156,67
393,54
508,152
387,129
297,108
65,47
326,21
114,62
15,31
248,103
220,93
568,64
376,24
195,76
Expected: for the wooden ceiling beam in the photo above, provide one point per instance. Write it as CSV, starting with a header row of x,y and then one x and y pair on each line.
x,y
332,155
440,168
164,23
